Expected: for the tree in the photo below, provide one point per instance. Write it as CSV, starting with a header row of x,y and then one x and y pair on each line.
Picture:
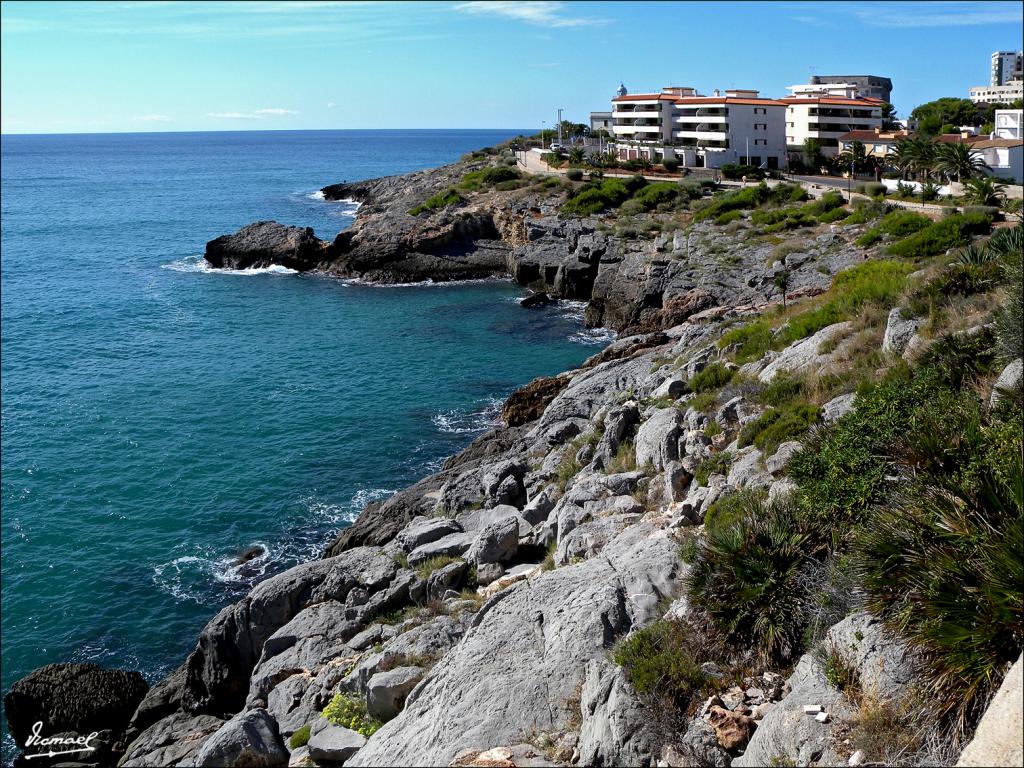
x,y
813,156
855,155
933,115
960,161
889,117
916,155
782,283
576,155
984,190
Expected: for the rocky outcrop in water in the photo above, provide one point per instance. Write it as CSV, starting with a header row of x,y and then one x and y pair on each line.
x,y
266,243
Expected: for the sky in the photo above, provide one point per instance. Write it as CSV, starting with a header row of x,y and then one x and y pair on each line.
x,y
315,64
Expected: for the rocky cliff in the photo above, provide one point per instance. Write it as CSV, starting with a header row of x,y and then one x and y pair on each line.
x,y
501,611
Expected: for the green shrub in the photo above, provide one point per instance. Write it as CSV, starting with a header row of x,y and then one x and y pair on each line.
x,y
940,236
872,189
728,510
942,565
991,212
777,425
703,401
670,164
594,198
727,217
836,214
865,211
781,390
781,194
300,738
349,711
828,202
752,340
715,464
574,174
736,171
897,224
663,662
929,191
714,376
1009,320
959,358
652,195
748,197
746,578
440,200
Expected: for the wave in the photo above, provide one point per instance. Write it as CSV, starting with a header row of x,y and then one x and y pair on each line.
x,y
458,422
428,283
200,265
346,206
591,337
192,577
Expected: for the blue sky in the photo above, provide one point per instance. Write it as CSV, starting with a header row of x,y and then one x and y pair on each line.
x,y
170,66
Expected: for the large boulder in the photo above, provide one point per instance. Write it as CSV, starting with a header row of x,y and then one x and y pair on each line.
x,y
424,530
497,543
172,740
75,700
997,741
1009,381
657,439
331,744
522,659
267,243
386,691
217,671
248,740
615,726
899,330
805,356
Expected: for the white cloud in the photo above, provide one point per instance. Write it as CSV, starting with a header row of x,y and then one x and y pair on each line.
x,y
152,118
233,115
331,105
258,114
546,13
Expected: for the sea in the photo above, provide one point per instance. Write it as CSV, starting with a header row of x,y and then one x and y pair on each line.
x,y
159,417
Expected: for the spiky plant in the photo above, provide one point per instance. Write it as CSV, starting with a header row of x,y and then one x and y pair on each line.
x,y
746,577
984,190
1009,243
942,566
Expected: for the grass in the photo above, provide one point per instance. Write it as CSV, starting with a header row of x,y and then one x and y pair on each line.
x,y
349,711
485,177
777,425
300,738
938,237
427,567
624,459
873,282
440,200
715,464
703,401
712,377
897,224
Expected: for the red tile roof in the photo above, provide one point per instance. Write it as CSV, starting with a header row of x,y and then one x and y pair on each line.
x,y
877,138
647,97
990,143
728,100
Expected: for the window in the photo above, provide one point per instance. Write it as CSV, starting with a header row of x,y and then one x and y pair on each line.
x,y
760,142
760,126
760,111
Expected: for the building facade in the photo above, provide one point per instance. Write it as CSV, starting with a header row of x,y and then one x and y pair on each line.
x,y
878,144
868,86
998,94
1008,124
1004,157
827,118
738,127
646,118
1007,66
601,121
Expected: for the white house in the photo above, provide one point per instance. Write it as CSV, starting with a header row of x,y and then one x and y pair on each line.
x,y
826,118
646,118
1008,124
1005,157
738,127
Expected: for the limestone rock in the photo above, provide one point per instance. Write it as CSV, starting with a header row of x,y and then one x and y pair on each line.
x,y
248,740
523,656
496,543
452,545
527,403
804,355
780,459
732,729
657,439
1009,380
614,729
386,691
425,530
898,331
837,407
172,740
267,243
331,744
997,741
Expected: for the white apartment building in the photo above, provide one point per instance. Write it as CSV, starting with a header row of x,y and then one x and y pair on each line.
x,y
1007,66
827,117
646,118
1008,124
998,94
738,127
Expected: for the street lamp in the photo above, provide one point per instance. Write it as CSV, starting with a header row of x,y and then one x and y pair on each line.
x,y
559,127
543,130
849,184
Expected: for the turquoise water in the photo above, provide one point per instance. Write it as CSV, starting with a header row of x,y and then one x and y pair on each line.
x,y
158,417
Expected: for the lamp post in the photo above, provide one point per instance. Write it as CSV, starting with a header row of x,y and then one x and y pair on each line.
x,y
849,184
543,129
559,127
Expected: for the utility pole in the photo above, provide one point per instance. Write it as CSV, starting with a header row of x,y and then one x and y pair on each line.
x,y
560,127
543,129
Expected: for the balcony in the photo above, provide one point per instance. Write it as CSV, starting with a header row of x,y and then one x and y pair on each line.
x,y
631,129
702,135
687,119
636,113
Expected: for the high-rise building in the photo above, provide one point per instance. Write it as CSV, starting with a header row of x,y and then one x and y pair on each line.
x,y
1007,66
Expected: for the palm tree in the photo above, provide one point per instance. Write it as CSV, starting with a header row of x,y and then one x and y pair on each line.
x,y
576,156
854,156
902,157
984,191
922,155
959,160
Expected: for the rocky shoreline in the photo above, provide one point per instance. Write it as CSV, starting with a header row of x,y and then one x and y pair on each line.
x,y
470,618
